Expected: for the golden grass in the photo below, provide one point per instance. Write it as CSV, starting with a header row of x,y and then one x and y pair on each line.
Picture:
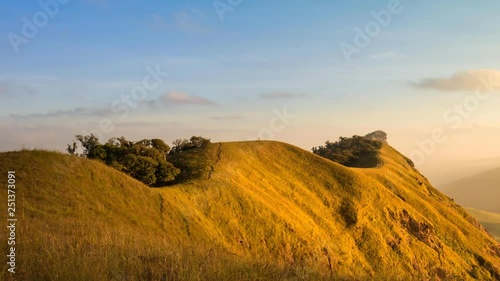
x,y
254,210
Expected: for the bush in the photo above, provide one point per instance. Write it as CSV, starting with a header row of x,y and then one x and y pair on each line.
x,y
145,160
181,145
347,151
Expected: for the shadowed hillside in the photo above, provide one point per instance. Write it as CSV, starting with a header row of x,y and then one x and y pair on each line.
x,y
242,211
480,191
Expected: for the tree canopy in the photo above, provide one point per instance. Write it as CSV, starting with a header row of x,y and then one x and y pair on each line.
x,y
347,151
181,145
145,160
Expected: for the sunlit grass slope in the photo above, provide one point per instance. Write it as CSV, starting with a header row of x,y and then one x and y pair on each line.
x,y
490,221
245,211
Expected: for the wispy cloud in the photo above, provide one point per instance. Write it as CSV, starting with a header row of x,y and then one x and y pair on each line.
x,y
387,56
11,87
179,98
283,95
227,117
484,126
168,99
186,21
463,81
77,111
144,124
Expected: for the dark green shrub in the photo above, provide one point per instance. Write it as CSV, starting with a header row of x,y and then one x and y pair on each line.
x,y
347,151
145,160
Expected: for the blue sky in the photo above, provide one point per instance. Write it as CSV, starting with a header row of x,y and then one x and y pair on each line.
x,y
228,76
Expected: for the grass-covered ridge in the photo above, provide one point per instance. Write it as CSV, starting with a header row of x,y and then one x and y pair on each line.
x,y
252,210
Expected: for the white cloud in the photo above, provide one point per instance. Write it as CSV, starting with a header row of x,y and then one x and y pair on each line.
x,y
470,80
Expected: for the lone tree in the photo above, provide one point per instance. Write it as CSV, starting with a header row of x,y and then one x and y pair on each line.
x,y
145,160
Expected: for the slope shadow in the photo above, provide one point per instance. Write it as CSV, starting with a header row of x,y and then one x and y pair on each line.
x,y
367,160
197,163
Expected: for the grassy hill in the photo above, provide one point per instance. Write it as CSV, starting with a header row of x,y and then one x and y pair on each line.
x,y
490,221
480,191
243,211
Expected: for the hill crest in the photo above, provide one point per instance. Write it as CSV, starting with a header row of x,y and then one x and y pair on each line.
x,y
262,209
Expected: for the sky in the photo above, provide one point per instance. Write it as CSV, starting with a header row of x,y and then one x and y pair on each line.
x,y
301,72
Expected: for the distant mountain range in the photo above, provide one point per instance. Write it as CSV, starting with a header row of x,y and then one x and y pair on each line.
x,y
441,175
490,220
480,191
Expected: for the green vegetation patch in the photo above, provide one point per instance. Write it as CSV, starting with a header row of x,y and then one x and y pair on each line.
x,y
356,151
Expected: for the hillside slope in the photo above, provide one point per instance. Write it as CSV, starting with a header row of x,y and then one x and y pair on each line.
x,y
481,191
245,211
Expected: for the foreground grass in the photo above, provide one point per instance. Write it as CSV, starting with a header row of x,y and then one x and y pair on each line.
x,y
251,211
